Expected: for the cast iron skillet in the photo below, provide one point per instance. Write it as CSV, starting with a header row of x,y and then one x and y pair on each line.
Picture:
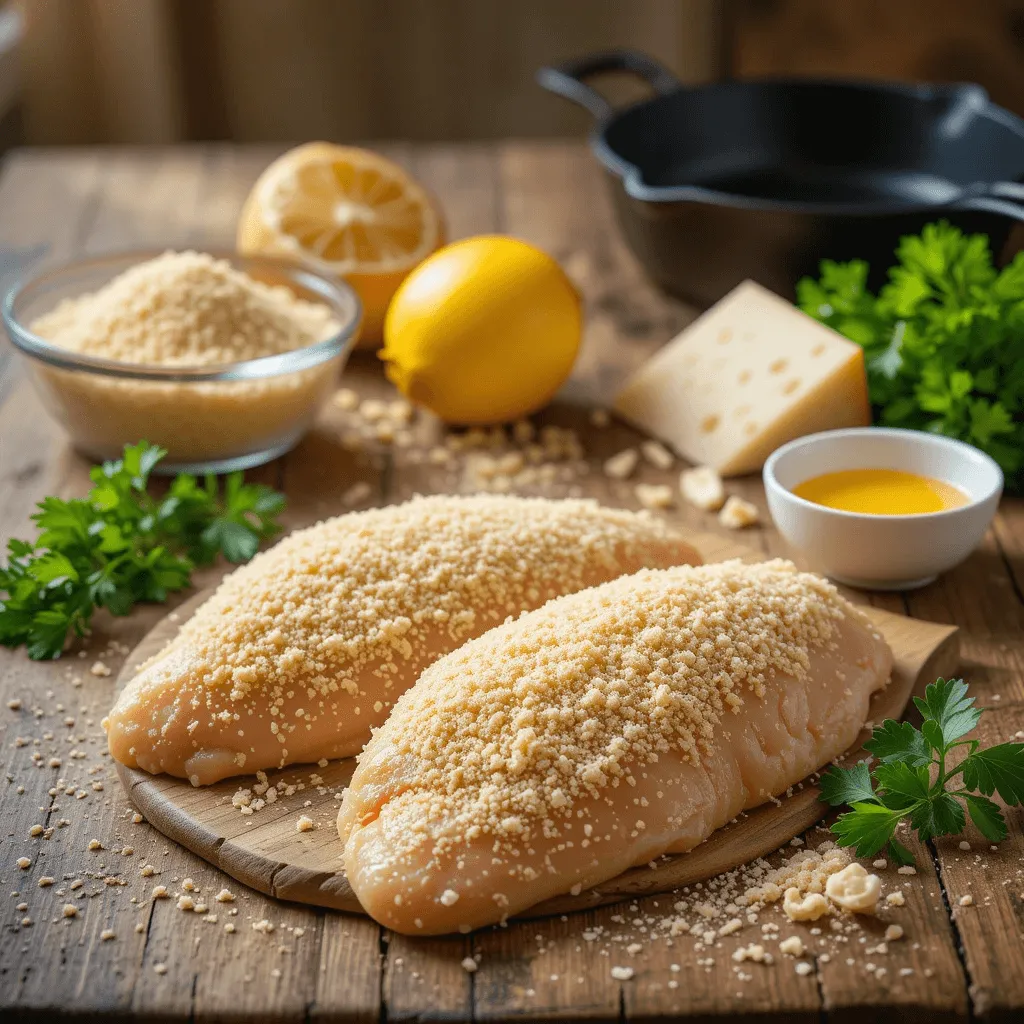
x,y
764,178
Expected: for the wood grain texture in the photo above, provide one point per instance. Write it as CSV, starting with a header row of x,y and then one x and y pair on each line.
x,y
326,966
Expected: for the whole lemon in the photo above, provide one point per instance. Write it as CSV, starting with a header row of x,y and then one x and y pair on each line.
x,y
485,330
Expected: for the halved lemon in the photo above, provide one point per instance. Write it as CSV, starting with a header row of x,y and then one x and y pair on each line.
x,y
349,212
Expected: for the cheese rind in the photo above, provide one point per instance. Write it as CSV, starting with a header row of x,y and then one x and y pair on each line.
x,y
749,375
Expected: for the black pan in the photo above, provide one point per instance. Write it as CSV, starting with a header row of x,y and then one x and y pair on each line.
x,y
763,179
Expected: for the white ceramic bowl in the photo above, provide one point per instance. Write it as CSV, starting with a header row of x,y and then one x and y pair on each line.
x,y
882,552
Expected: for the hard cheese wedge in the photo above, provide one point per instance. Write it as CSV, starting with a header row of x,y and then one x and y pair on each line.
x,y
751,374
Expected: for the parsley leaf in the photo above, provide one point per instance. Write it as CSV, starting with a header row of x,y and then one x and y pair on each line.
x,y
846,785
120,545
911,780
998,769
868,827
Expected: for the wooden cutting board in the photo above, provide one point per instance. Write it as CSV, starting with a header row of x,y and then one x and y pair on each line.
x,y
266,851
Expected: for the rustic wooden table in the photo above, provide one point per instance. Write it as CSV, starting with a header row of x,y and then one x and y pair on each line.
x,y
953,964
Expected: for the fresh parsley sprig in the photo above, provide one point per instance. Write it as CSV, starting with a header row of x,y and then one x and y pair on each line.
x,y
943,340
121,545
913,779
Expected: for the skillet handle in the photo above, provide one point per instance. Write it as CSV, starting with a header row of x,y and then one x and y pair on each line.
x,y
1003,197
569,80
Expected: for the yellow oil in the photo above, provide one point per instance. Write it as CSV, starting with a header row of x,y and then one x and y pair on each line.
x,y
885,492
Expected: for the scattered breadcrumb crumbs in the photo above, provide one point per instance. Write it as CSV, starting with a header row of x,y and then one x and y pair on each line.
x,y
803,968
70,910
304,824
622,973
906,869
966,900
188,885
264,926
186,903
895,899
36,830
14,705
107,934
100,669
449,898
147,871
621,465
137,819
737,513
469,964
792,946
160,968
225,896
893,932
229,928
45,881
94,844
160,892
24,863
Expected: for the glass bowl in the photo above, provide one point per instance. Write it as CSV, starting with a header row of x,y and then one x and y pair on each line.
x,y
209,418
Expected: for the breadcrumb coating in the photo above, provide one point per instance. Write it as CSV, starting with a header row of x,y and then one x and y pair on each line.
x,y
298,654
576,713
186,309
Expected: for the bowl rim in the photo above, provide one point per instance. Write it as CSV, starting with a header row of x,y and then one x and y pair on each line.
x,y
337,294
923,437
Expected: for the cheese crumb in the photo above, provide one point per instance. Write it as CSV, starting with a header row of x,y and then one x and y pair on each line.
x,y
657,454
186,903
469,964
225,896
304,824
100,669
621,466
107,934
45,881
738,513
966,900
893,932
656,496
896,899
70,910
703,488
792,946
160,892
263,926
94,844
800,907
622,973
803,968
854,889
24,863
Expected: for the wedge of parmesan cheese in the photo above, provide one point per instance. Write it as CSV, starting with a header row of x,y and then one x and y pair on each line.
x,y
749,375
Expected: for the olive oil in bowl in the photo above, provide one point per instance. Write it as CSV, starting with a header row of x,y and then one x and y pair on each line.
x,y
886,492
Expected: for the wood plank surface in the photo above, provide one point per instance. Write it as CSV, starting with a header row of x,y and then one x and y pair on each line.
x,y
954,962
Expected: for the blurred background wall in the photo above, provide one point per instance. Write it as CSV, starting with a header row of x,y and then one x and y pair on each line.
x,y
165,70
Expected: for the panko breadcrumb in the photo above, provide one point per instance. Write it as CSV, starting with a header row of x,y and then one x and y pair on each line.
x,y
187,309
612,711
302,651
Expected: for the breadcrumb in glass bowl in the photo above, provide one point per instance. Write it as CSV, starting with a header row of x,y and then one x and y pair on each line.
x,y
139,345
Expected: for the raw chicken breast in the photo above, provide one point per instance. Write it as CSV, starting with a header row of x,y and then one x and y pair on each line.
x,y
300,653
598,732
